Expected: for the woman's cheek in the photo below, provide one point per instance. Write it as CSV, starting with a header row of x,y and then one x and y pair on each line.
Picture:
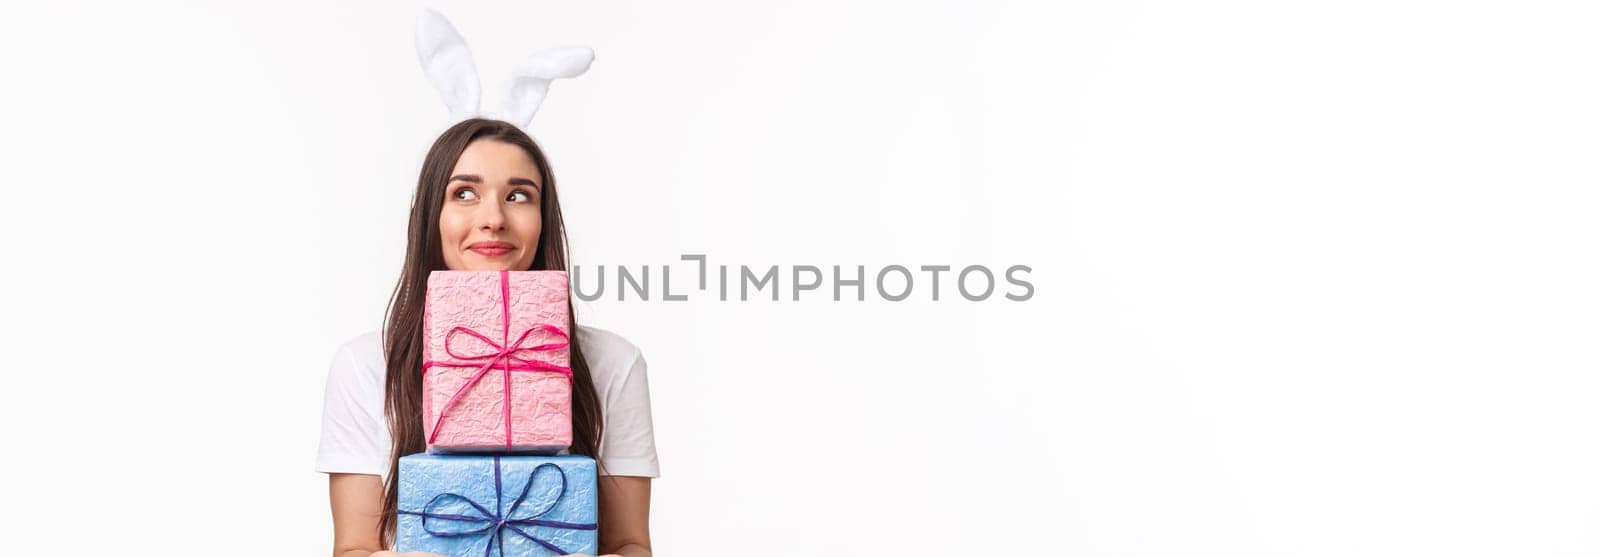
x,y
530,227
530,239
451,225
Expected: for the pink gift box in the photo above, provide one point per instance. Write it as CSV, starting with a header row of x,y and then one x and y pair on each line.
x,y
485,332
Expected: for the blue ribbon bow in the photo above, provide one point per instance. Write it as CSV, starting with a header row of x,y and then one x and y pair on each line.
x,y
496,522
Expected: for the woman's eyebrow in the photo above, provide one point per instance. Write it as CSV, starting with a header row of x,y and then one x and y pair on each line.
x,y
474,178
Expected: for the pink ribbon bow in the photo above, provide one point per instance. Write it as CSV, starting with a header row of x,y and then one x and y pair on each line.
x,y
505,355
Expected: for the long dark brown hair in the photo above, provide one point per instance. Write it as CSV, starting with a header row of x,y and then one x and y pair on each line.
x,y
402,336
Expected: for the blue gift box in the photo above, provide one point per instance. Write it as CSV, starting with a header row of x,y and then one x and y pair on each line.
x,y
471,505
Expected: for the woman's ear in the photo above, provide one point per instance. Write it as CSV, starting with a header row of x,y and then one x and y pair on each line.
x,y
448,64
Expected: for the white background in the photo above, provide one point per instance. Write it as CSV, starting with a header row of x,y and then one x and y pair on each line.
x,y
1312,278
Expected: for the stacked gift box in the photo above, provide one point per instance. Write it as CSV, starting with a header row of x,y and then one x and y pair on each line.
x,y
497,407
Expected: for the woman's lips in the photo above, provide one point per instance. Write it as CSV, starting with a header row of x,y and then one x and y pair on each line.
x,y
491,251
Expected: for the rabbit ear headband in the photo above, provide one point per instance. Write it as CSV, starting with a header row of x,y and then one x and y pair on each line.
x,y
448,64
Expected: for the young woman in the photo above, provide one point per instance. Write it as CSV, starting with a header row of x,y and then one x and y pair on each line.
x,y
486,200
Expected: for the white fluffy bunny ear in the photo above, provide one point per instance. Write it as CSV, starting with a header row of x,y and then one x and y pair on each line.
x,y
448,63
532,78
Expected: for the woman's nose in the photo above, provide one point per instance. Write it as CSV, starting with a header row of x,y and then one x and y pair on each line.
x,y
491,216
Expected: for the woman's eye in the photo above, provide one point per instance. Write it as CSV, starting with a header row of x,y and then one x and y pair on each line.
x,y
524,194
467,192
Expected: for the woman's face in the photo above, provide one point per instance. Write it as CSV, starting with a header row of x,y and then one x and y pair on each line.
x,y
490,220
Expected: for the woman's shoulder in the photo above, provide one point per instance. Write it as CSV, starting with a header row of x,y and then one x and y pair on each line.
x,y
607,352
364,351
365,343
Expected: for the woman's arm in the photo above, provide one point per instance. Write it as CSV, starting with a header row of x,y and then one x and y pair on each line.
x,y
357,501
625,516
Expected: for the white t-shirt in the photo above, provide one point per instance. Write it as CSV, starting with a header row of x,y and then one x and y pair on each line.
x,y
355,436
